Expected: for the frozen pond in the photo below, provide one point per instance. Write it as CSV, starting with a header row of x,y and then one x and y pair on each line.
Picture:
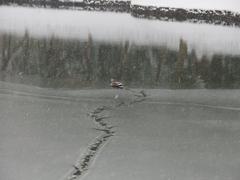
x,y
59,119
43,132
180,134
40,137
162,141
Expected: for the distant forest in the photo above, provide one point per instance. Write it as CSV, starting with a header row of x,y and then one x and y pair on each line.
x,y
61,63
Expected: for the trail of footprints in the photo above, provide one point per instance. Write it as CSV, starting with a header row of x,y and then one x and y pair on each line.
x,y
108,131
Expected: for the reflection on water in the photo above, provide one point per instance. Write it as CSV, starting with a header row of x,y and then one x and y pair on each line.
x,y
56,62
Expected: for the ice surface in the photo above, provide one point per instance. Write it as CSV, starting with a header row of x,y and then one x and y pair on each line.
x,y
42,133
119,27
172,141
173,134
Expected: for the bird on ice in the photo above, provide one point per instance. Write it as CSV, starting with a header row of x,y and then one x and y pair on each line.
x,y
116,84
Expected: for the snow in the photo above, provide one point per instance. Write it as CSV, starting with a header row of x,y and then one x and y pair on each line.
x,y
173,134
174,140
232,5
42,132
118,27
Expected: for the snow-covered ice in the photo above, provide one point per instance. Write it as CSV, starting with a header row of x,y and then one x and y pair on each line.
x,y
173,134
166,138
42,132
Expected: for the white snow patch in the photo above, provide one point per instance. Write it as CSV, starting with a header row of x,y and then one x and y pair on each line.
x,y
118,27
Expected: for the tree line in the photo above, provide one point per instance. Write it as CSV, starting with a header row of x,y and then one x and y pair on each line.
x,y
56,62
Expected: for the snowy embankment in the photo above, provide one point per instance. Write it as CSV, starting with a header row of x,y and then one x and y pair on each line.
x,y
113,27
173,134
215,12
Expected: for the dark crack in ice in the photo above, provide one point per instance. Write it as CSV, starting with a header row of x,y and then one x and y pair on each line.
x,y
108,131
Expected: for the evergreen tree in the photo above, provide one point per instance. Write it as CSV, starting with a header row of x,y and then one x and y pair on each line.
x,y
181,61
216,72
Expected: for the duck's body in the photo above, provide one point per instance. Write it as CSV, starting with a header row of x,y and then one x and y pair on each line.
x,y
116,84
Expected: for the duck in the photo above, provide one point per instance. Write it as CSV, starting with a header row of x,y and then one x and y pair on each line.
x,y
116,84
